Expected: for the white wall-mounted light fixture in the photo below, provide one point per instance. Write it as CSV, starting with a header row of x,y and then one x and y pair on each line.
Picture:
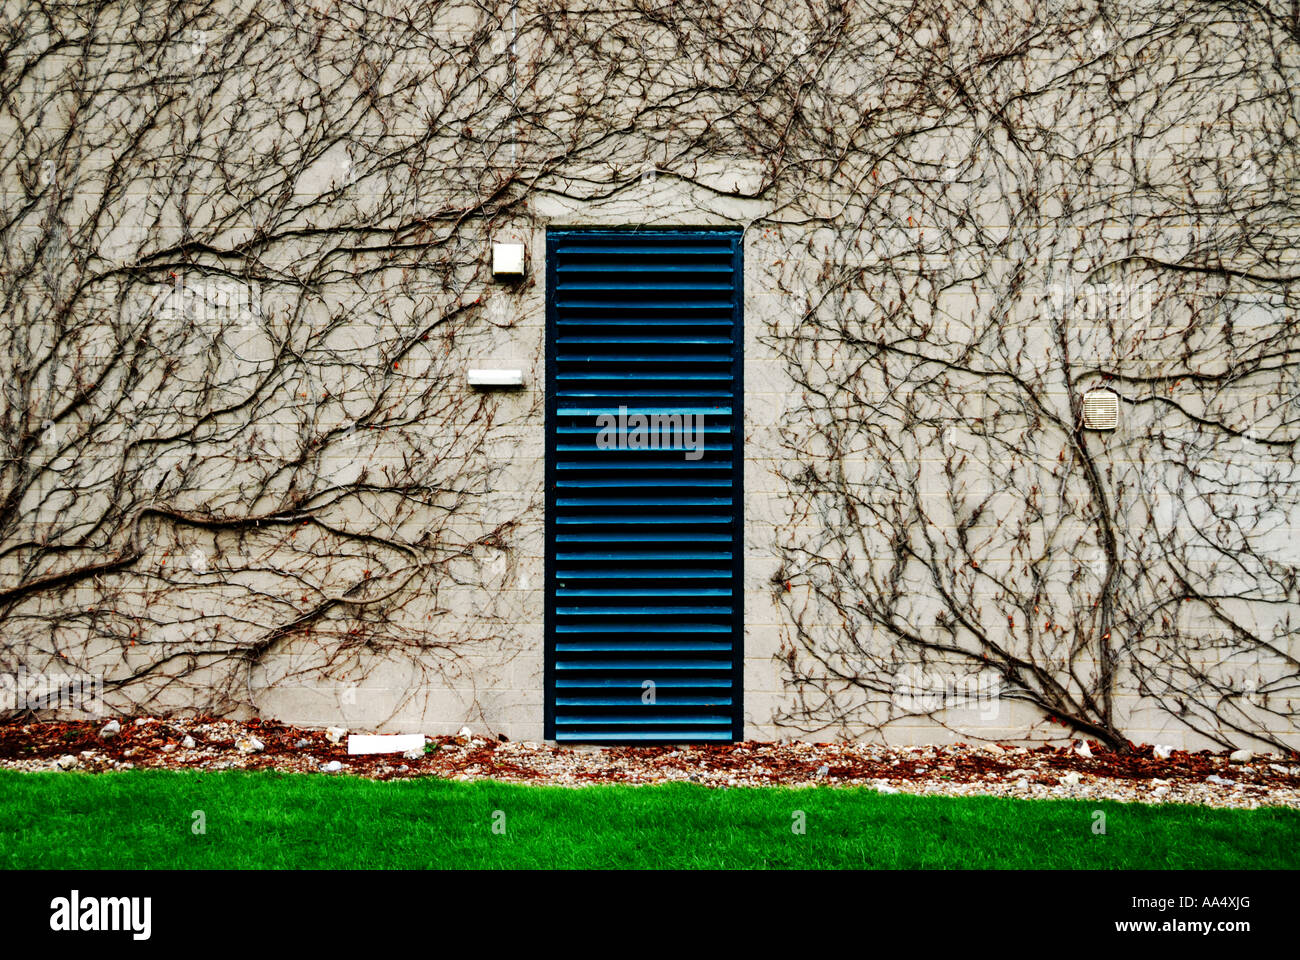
x,y
496,377
507,260
1100,410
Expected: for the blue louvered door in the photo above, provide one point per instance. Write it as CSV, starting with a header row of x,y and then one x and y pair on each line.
x,y
644,616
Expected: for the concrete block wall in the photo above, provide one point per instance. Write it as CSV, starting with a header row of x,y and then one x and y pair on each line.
x,y
910,205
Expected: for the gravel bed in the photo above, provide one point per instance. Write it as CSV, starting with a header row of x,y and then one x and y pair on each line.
x,y
1079,770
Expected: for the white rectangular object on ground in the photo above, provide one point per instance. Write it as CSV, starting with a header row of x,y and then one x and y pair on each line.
x,y
385,743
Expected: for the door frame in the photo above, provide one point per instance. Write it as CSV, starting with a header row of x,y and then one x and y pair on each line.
x,y
553,235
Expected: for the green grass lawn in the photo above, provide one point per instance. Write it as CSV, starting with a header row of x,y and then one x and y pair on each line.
x,y
260,820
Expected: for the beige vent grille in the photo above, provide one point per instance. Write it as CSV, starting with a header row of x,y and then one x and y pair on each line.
x,y
1100,410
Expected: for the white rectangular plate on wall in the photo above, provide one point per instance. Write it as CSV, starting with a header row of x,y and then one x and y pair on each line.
x,y
496,378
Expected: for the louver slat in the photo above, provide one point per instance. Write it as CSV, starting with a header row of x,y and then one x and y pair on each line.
x,y
643,568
